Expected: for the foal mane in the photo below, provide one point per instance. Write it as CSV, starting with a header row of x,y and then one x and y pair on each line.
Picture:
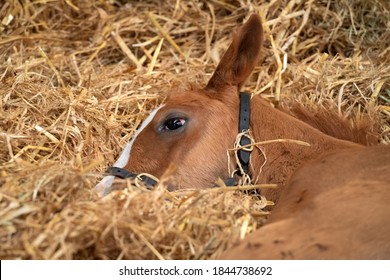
x,y
362,130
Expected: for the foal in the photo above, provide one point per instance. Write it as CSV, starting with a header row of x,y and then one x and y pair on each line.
x,y
195,128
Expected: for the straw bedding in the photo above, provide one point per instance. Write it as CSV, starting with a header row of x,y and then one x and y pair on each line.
x,y
78,77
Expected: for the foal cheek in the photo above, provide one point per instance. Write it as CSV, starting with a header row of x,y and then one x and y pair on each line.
x,y
207,160
149,155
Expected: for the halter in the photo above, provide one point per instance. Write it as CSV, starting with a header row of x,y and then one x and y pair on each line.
x,y
243,125
243,154
125,174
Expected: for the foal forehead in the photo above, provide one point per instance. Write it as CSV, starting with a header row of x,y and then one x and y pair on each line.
x,y
192,101
183,102
198,99
187,97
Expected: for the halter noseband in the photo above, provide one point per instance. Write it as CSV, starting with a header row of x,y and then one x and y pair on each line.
x,y
125,174
243,154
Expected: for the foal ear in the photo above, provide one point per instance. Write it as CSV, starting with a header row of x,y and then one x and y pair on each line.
x,y
240,58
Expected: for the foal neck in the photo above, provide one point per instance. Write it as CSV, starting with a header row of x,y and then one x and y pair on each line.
x,y
276,162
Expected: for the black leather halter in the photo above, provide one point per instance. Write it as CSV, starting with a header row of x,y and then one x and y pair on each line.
x,y
125,174
243,154
243,125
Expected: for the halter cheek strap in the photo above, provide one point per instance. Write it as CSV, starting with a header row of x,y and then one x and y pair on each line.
x,y
243,154
243,125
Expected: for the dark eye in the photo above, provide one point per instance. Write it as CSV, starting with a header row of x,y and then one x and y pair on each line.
x,y
174,123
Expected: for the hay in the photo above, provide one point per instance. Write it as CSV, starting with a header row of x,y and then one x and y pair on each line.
x,y
78,77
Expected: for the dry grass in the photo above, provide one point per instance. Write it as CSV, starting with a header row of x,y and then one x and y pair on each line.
x,y
78,77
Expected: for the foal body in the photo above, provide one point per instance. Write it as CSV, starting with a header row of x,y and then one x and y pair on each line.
x,y
335,207
327,192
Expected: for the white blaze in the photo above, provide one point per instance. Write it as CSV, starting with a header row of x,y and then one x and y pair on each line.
x,y
103,188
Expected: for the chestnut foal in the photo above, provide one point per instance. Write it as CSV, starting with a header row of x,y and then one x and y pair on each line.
x,y
332,199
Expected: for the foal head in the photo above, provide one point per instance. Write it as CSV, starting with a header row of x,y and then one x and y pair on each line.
x,y
194,128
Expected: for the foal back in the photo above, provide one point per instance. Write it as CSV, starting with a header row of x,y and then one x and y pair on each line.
x,y
335,207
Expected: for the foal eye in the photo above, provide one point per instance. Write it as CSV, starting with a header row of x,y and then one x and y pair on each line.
x,y
174,123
